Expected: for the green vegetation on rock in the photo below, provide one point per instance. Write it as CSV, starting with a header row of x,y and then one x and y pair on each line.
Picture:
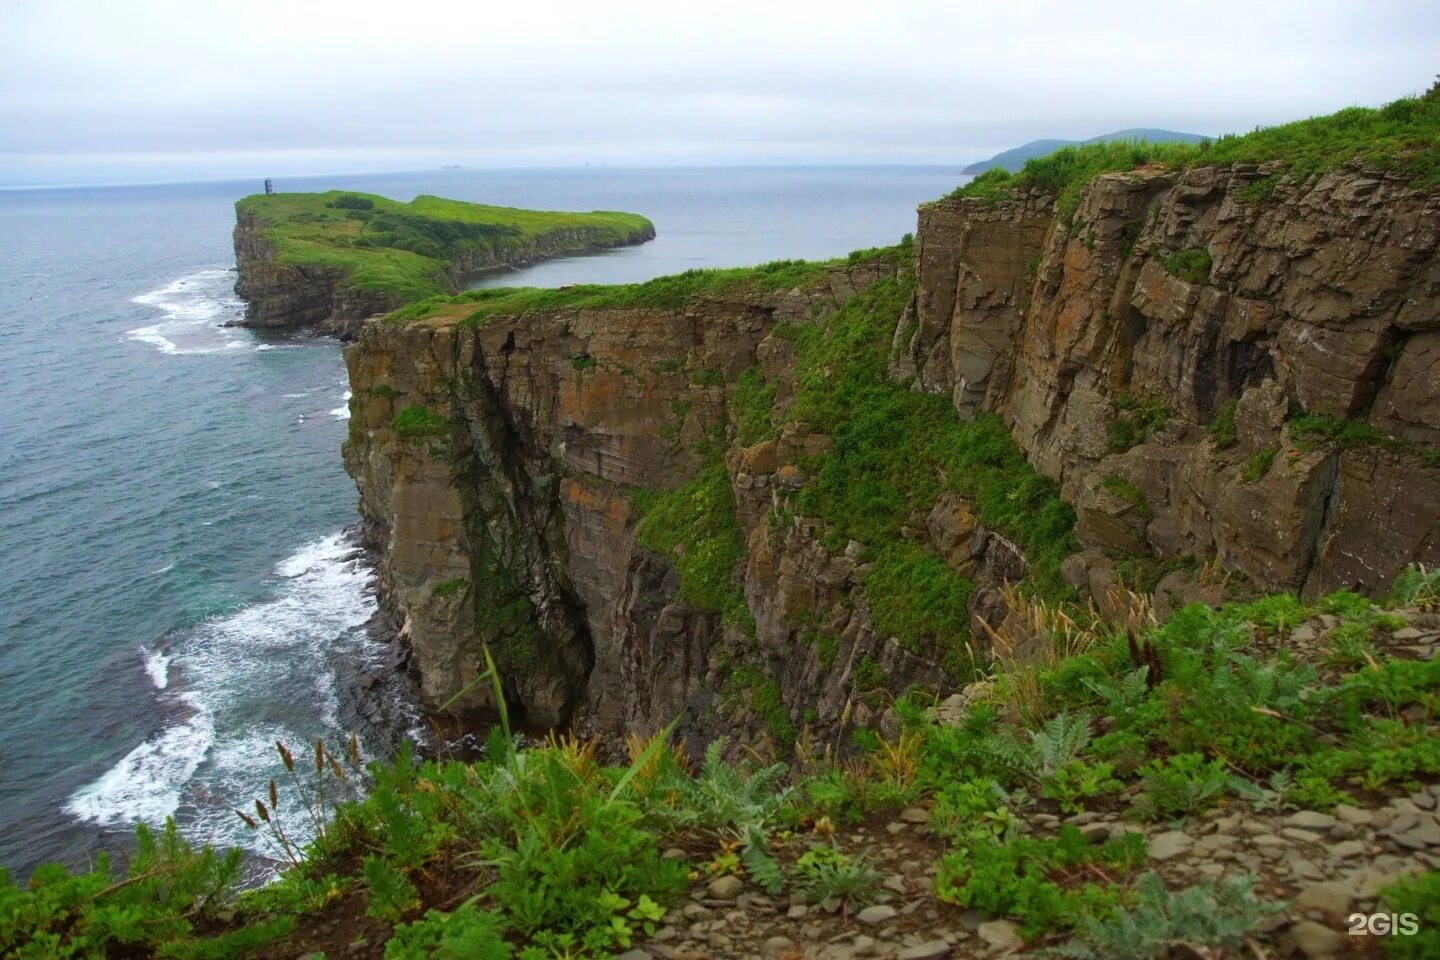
x,y
1402,136
418,422
694,527
896,451
403,250
669,292
1192,266
1153,735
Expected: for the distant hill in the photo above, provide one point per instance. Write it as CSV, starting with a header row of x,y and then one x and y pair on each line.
x,y
1014,158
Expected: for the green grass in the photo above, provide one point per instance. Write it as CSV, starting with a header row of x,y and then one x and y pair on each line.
x,y
1402,136
695,528
417,422
1258,465
662,293
451,587
667,293
1134,416
751,406
896,451
1189,265
528,850
1127,491
402,250
1222,429
1309,431
1312,431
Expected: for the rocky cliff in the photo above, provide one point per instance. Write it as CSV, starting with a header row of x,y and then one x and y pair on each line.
x,y
1216,365
283,294
775,506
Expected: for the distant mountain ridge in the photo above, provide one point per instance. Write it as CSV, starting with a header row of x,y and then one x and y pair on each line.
x,y
1014,158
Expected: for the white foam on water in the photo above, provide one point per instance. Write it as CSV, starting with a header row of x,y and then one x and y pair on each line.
x,y
195,306
266,672
157,666
146,783
165,569
342,412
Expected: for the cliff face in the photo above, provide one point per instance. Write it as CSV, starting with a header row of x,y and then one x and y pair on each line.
x,y
1176,302
285,295
280,295
523,502
1222,380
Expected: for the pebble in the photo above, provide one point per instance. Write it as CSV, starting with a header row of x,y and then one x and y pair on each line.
x,y
1169,845
1354,815
1310,820
1316,940
1206,846
933,950
1331,898
915,815
1347,849
777,946
725,888
1001,934
876,915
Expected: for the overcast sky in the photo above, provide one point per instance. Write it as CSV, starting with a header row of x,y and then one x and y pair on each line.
x,y
101,90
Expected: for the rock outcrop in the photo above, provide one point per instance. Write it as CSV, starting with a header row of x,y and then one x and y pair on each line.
x,y
1231,376
524,503
1251,358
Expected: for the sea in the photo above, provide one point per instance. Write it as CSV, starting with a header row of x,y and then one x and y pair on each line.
x,y
180,582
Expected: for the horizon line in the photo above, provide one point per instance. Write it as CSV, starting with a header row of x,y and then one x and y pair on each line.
x,y
586,167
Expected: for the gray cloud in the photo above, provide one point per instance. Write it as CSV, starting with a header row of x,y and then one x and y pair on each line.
x,y
97,89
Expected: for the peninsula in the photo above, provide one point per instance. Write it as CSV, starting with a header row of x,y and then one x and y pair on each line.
x,y
331,260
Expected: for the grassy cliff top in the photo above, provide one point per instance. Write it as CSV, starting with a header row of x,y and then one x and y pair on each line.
x,y
667,292
403,249
1403,136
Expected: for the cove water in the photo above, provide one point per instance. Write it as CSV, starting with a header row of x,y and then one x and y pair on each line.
x,y
177,589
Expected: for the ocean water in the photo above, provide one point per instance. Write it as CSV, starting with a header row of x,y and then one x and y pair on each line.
x,y
177,590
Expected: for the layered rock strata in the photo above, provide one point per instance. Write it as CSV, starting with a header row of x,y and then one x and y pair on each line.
x,y
1232,376
1199,341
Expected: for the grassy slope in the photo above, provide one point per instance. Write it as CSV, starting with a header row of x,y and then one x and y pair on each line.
x,y
546,852
402,249
1014,158
669,292
1403,136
